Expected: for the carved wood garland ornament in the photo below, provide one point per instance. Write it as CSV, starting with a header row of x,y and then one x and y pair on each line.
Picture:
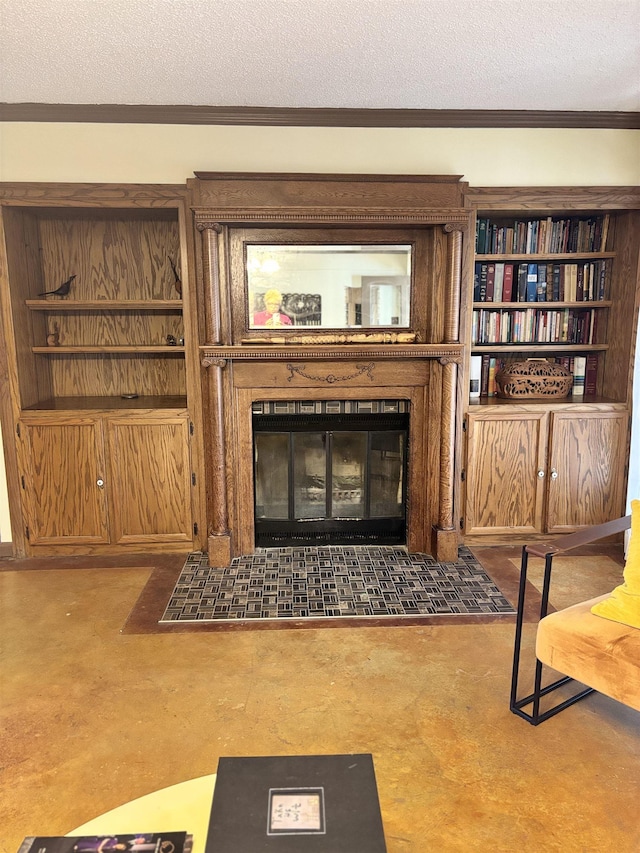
x,y
331,378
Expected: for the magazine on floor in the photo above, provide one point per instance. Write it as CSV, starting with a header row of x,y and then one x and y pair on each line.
x,y
141,842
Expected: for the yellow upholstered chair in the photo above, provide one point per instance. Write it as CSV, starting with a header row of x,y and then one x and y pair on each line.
x,y
597,652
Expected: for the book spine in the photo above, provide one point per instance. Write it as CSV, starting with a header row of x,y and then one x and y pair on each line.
x,y
476,281
555,292
491,384
481,242
532,282
491,280
542,283
522,282
507,283
475,376
484,377
579,375
483,283
591,374
499,283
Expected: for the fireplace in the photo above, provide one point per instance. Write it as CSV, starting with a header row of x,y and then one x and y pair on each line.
x,y
392,245
330,472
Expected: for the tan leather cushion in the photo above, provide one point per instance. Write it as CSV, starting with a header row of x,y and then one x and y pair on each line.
x,y
600,653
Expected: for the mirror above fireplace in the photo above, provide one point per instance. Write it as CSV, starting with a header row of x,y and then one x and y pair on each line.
x,y
289,283
328,285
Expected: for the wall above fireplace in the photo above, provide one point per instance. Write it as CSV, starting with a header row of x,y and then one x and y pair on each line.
x,y
416,361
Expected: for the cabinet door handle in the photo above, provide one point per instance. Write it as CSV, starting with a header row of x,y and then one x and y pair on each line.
x,y
541,474
100,483
554,474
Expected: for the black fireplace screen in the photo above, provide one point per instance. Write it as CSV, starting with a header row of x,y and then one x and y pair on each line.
x,y
337,479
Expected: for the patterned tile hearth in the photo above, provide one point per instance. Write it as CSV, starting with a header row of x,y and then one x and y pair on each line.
x,y
303,583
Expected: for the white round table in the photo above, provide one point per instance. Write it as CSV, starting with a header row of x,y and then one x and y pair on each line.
x,y
182,807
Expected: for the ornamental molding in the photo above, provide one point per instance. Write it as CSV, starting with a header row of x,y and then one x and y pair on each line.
x,y
446,353
331,378
209,218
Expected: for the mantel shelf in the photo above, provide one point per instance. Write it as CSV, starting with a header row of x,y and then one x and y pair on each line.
x,y
153,350
105,305
340,352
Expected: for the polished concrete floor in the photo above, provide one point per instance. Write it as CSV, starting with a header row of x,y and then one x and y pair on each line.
x,y
92,715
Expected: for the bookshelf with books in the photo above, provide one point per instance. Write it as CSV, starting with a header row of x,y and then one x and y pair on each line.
x,y
547,284
555,276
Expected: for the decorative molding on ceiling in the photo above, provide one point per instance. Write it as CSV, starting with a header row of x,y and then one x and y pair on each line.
x,y
314,117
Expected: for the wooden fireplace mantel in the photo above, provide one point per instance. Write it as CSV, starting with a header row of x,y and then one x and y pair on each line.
x,y
242,365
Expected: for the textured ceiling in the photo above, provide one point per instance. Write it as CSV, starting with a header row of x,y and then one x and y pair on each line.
x,y
376,54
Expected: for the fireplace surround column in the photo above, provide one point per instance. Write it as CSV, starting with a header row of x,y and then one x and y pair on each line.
x,y
219,535
445,535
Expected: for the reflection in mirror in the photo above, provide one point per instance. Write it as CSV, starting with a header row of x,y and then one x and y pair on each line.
x,y
330,286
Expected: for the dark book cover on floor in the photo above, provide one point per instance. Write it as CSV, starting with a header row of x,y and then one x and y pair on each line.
x,y
315,803
141,842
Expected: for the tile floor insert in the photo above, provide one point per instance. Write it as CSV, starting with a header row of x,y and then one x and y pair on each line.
x,y
332,581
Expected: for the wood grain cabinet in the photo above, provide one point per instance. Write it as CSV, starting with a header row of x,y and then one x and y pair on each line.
x,y
102,387
64,470
530,470
150,469
99,480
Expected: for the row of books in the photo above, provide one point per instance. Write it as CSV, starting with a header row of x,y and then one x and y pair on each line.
x,y
542,236
569,282
484,368
530,325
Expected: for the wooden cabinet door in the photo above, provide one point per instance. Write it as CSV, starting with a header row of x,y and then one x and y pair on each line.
x,y
150,482
505,453
586,479
64,471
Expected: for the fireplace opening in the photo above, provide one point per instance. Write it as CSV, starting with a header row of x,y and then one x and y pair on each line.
x,y
327,478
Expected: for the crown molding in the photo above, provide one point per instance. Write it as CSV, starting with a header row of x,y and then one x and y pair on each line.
x,y
314,117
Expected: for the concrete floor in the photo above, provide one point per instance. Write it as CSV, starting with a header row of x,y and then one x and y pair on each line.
x,y
92,717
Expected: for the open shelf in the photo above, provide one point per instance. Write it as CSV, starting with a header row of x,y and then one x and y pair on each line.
x,y
548,256
158,349
162,305
107,403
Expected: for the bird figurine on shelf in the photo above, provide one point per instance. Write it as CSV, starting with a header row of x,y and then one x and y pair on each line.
x,y
53,338
63,290
176,276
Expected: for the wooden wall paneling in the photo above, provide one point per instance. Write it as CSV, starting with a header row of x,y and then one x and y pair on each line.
x,y
25,275
617,377
110,375
113,327
125,258
10,397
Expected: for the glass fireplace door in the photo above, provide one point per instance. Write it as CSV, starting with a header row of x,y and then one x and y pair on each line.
x,y
330,486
